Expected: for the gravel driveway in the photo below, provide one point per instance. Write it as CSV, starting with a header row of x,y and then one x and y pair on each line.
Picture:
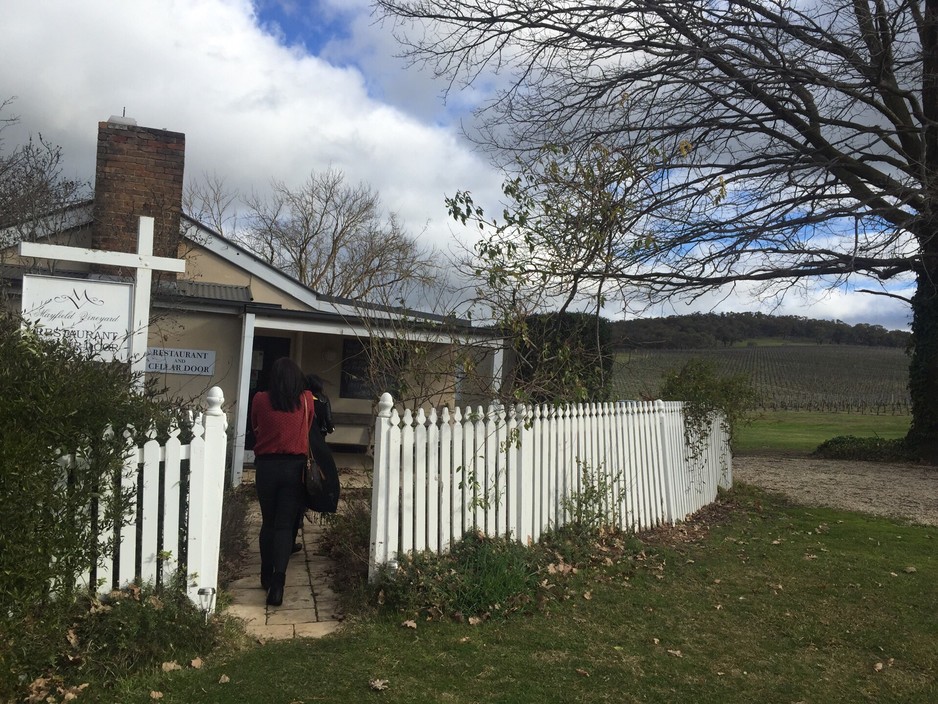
x,y
897,490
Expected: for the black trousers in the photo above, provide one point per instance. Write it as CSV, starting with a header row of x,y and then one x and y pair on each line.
x,y
280,493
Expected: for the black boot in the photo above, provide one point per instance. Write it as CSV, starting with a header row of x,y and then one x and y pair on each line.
x,y
266,572
275,593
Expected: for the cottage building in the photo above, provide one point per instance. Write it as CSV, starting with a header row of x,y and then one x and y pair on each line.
x,y
226,318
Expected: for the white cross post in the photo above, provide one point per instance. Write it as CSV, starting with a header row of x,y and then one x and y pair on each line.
x,y
143,263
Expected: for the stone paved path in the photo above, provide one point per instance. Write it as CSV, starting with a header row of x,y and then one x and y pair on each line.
x,y
310,608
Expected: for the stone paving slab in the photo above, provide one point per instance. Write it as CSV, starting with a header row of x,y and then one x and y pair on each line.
x,y
292,616
251,615
310,608
316,630
264,633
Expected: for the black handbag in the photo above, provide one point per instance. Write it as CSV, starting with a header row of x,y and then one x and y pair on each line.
x,y
321,481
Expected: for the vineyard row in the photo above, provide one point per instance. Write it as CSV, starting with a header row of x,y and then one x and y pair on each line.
x,y
830,378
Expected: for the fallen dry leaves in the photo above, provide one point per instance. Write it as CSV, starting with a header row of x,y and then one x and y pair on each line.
x,y
71,693
41,690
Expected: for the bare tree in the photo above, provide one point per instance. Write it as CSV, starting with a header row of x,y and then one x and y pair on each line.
x,y
338,240
766,140
212,203
33,191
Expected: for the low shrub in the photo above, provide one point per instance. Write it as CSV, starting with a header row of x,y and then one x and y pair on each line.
x,y
102,641
850,447
140,628
346,539
31,642
479,577
573,546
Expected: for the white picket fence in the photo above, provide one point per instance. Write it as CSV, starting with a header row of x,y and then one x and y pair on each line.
x,y
171,526
518,472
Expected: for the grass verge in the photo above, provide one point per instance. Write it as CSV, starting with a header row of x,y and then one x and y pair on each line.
x,y
803,431
755,600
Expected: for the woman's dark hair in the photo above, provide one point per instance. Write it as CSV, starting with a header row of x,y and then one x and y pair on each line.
x,y
286,385
315,384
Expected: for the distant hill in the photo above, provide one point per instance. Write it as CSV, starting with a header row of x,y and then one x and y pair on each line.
x,y
713,330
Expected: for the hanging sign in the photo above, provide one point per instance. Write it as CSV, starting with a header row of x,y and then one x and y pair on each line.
x,y
94,315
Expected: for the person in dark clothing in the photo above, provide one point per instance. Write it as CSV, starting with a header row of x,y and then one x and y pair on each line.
x,y
281,418
323,406
322,426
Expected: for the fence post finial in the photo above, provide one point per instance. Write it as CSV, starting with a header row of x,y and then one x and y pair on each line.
x,y
214,399
384,405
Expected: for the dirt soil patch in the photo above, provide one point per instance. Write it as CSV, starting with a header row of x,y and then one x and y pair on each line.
x,y
896,490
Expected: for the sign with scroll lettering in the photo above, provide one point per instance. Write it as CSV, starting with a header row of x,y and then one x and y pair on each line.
x,y
95,315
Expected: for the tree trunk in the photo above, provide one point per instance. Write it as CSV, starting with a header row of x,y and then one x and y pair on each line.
x,y
923,367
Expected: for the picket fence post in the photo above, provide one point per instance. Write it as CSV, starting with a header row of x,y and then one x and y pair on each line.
x,y
206,493
383,506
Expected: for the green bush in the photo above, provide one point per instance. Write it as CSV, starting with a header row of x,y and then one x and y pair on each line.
x,y
705,392
562,358
102,642
479,577
850,447
137,629
56,401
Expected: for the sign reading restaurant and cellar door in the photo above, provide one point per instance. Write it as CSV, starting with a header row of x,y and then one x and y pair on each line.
x,y
169,360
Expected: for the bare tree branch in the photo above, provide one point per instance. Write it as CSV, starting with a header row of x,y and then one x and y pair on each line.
x,y
33,192
338,240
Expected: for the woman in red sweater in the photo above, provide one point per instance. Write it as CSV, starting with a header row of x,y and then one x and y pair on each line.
x,y
281,418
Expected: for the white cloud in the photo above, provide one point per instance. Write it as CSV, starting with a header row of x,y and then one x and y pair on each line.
x,y
252,109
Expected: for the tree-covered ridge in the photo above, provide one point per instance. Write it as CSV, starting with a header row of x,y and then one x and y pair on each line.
x,y
710,330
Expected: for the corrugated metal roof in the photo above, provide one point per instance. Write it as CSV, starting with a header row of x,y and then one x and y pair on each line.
x,y
208,291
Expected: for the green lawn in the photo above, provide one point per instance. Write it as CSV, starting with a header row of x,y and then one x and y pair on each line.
x,y
803,431
768,602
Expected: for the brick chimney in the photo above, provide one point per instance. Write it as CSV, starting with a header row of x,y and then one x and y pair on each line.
x,y
139,172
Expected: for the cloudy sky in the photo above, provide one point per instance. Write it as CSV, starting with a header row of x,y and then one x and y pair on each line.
x,y
273,89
